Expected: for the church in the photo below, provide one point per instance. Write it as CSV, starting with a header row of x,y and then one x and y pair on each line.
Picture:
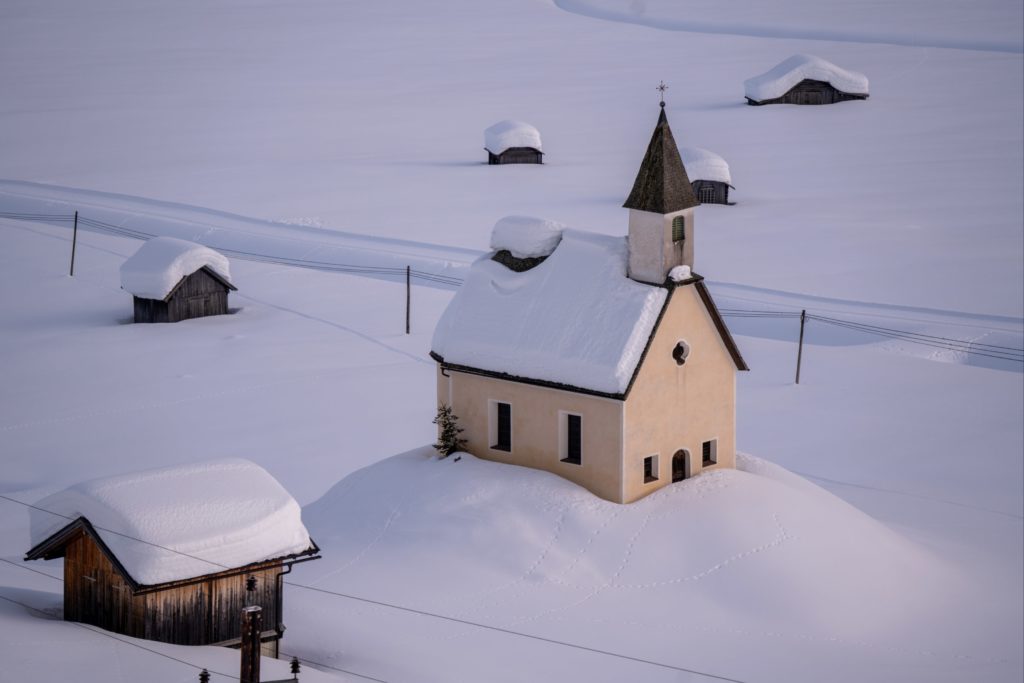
x,y
601,359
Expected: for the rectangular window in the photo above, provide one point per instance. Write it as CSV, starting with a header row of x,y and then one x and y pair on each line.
x,y
500,426
709,452
650,469
678,229
572,442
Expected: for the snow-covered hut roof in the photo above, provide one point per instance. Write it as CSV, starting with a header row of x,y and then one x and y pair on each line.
x,y
194,519
525,236
161,263
507,134
576,319
702,164
778,81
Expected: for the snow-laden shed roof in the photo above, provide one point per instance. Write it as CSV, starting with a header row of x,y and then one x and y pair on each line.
x,y
576,319
778,81
507,134
194,520
702,164
526,236
161,263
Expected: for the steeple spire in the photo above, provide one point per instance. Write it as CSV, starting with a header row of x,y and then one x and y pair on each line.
x,y
661,185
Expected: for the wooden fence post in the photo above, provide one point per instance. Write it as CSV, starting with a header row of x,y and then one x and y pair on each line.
x,y
800,348
252,627
408,296
74,243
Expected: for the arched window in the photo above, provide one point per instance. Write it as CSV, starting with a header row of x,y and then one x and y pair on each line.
x,y
678,229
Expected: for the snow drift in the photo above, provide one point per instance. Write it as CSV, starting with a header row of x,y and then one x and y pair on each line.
x,y
525,236
158,266
206,517
777,81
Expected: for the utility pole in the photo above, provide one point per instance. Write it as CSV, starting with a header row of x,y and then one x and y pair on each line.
x,y
408,296
74,242
800,348
252,627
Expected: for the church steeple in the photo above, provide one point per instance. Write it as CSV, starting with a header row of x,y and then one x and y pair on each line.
x,y
660,209
661,186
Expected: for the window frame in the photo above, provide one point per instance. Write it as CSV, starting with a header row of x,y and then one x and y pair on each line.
x,y
651,468
564,454
494,425
712,446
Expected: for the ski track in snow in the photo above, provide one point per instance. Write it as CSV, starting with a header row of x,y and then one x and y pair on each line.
x,y
733,28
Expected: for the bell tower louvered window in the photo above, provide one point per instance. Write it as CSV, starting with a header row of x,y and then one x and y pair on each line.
x,y
678,229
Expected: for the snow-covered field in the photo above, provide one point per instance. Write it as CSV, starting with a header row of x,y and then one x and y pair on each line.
x,y
351,133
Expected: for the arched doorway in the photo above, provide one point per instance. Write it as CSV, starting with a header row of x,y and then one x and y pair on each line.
x,y
681,465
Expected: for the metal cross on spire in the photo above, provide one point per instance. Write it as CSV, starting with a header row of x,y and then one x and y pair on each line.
x,y
661,89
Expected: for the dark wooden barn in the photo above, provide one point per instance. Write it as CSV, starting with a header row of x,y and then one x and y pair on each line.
x,y
711,191
203,610
172,280
516,155
202,293
513,142
806,79
809,91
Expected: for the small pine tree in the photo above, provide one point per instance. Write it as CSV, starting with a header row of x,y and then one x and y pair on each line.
x,y
448,440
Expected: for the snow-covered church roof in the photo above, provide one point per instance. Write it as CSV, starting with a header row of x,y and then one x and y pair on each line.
x,y
702,164
778,81
576,319
159,265
507,134
194,519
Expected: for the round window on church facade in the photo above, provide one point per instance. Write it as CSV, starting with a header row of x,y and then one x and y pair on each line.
x,y
681,352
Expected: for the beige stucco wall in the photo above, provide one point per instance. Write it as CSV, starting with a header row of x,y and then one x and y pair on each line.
x,y
536,415
652,253
673,407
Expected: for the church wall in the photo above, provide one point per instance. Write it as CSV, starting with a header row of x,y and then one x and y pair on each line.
x,y
673,407
536,418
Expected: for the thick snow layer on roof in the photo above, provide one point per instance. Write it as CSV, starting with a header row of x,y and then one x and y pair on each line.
x,y
702,164
778,81
575,319
160,264
207,517
506,134
526,236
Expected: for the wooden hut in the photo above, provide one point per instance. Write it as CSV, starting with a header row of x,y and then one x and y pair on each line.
x,y
167,554
172,280
513,142
806,79
709,175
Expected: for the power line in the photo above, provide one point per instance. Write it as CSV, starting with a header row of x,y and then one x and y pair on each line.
x,y
336,668
405,609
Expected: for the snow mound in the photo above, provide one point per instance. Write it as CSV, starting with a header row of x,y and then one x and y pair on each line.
x,y
223,514
574,319
702,164
680,273
159,265
525,236
507,134
778,81
506,544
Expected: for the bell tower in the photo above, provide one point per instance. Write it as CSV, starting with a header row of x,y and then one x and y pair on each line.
x,y
660,209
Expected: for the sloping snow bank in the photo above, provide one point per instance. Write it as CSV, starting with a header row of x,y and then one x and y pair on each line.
x,y
527,549
574,319
509,133
702,164
777,81
160,264
223,513
525,236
